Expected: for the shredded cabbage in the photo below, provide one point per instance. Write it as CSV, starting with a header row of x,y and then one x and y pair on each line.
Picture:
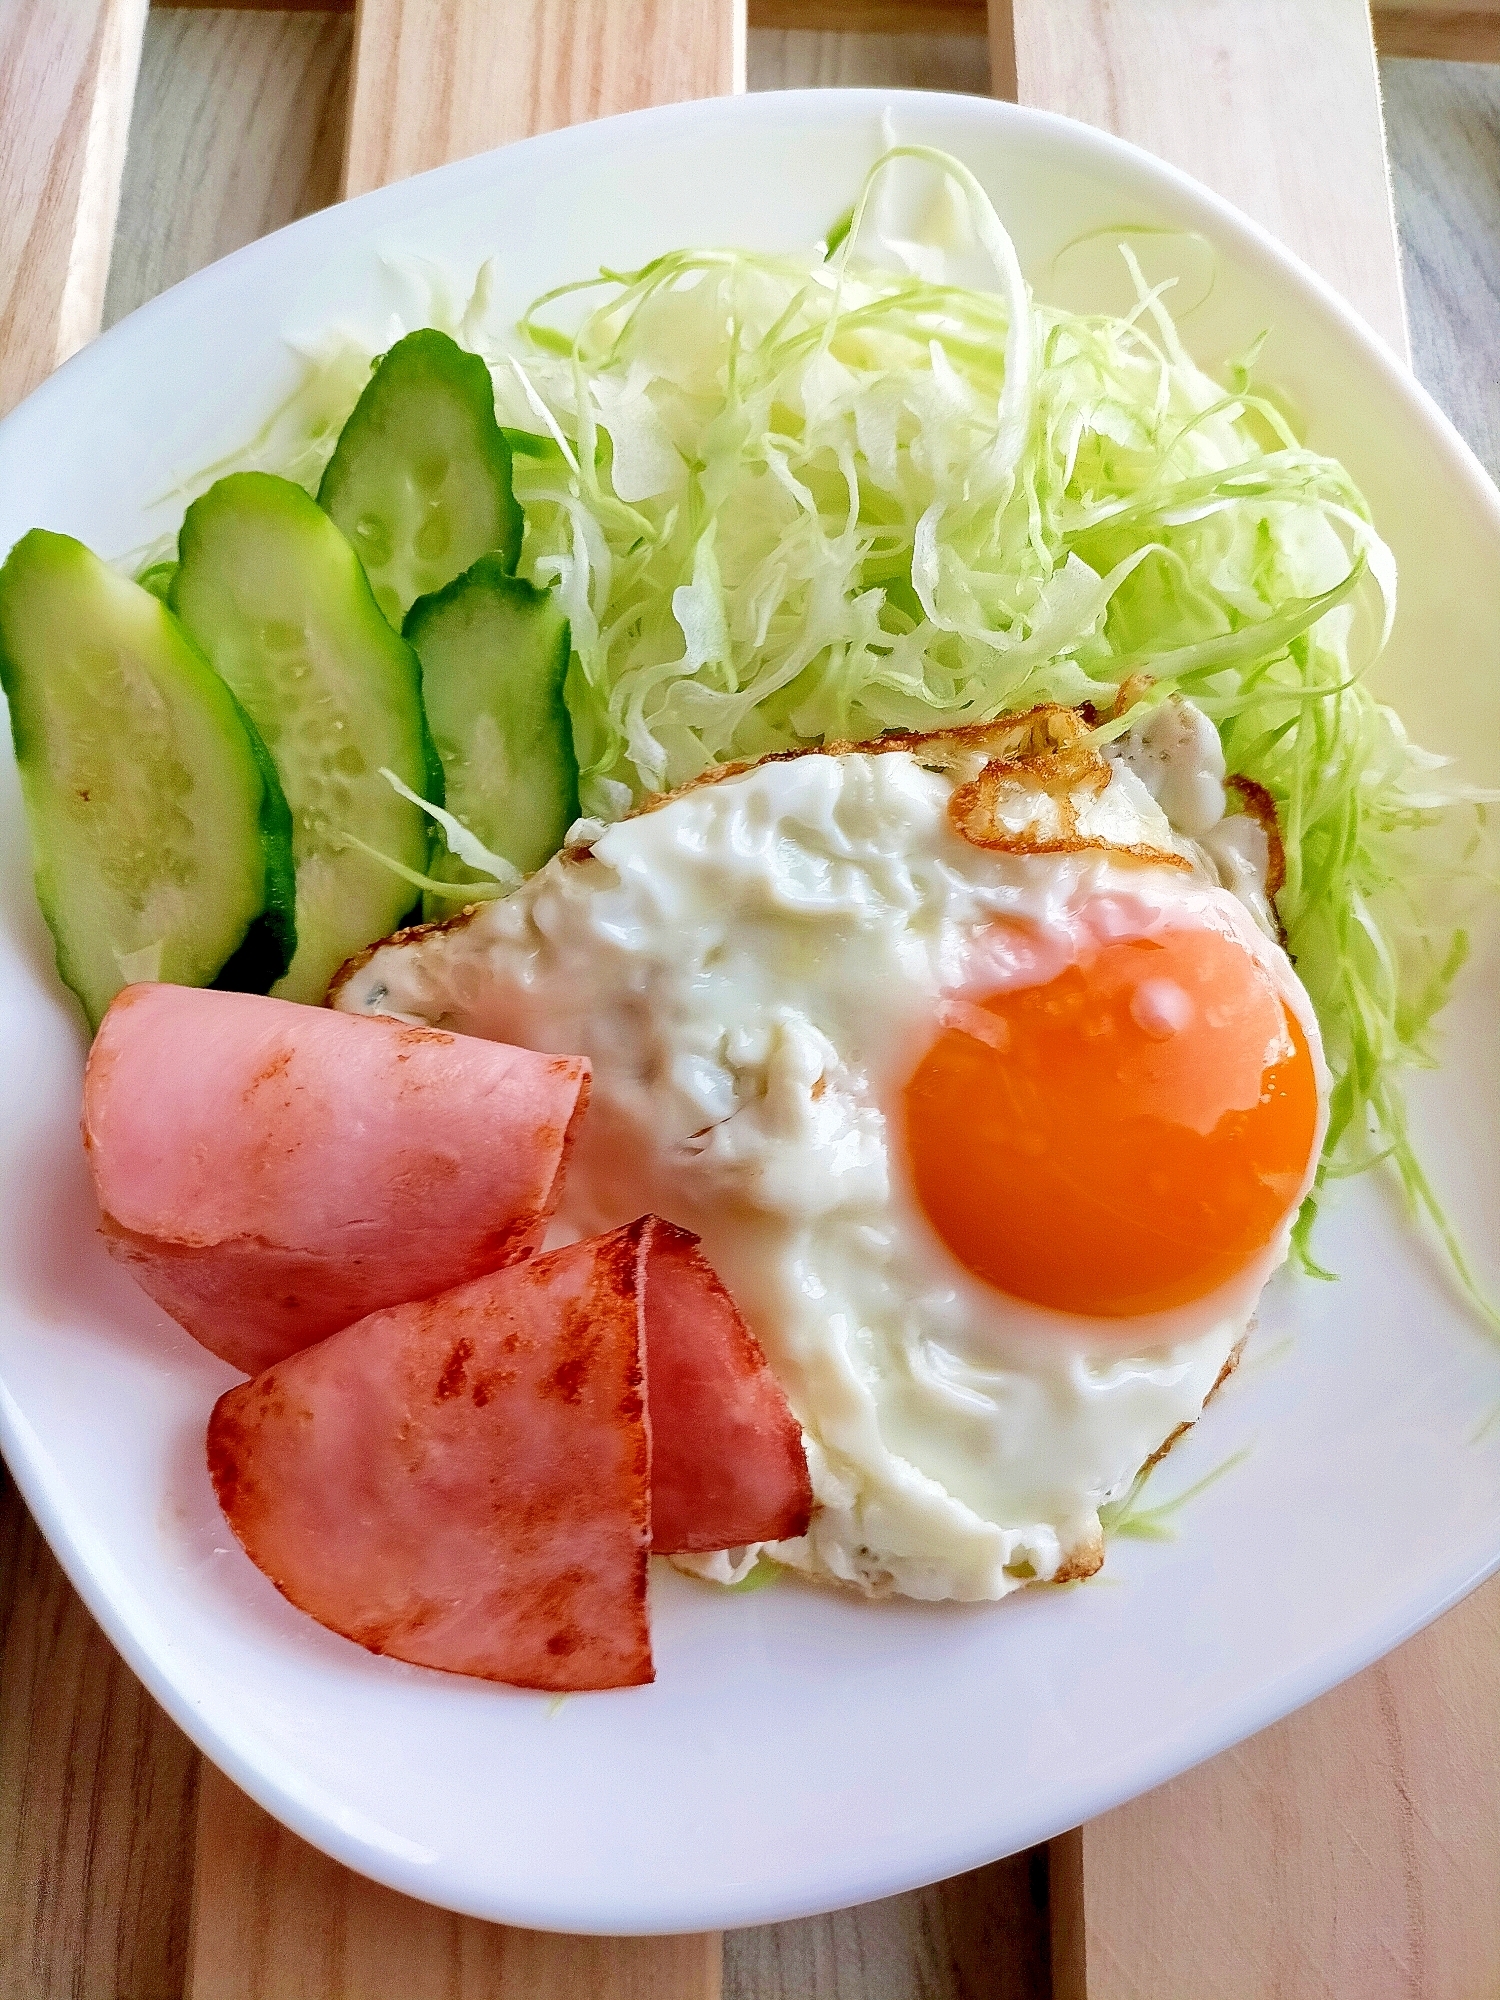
x,y
1127,1518
787,499
462,844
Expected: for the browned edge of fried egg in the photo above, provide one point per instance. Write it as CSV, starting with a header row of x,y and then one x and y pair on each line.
x,y
1043,749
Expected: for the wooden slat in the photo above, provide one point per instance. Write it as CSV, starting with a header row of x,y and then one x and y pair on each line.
x,y
273,1919
96,1787
1350,1853
435,80
1355,1848
67,76
1273,103
96,1797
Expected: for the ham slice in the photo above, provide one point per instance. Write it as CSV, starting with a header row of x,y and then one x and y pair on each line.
x,y
727,1461
472,1482
271,1172
463,1482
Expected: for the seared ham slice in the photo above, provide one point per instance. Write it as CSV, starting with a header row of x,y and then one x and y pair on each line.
x,y
470,1482
727,1461
463,1482
271,1172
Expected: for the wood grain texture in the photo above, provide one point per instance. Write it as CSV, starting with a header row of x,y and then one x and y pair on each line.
x,y
253,6
1443,120
1349,1851
96,1797
1402,27
1203,83
71,70
247,110
273,1919
435,80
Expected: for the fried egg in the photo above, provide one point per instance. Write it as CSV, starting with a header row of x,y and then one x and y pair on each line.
x,y
991,1098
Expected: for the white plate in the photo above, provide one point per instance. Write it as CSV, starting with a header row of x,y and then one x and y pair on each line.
x,y
798,1751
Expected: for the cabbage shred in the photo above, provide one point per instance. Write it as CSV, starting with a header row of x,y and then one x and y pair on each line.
x,y
805,499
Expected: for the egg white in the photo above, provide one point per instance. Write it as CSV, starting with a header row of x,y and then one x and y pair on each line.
x,y
754,969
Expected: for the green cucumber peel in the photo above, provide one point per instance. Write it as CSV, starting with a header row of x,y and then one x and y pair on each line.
x,y
527,444
270,944
157,578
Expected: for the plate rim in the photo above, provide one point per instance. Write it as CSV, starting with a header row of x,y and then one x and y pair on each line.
x,y
38,1480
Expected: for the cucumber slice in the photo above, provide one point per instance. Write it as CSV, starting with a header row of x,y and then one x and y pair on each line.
x,y
420,479
277,599
161,840
494,653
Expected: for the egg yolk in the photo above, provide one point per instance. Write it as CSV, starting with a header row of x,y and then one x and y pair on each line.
x,y
1121,1139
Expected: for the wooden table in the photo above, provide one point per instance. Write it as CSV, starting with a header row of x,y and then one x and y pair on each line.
x,y
1353,1850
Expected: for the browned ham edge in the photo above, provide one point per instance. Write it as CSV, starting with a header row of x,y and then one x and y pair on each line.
x,y
472,1482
